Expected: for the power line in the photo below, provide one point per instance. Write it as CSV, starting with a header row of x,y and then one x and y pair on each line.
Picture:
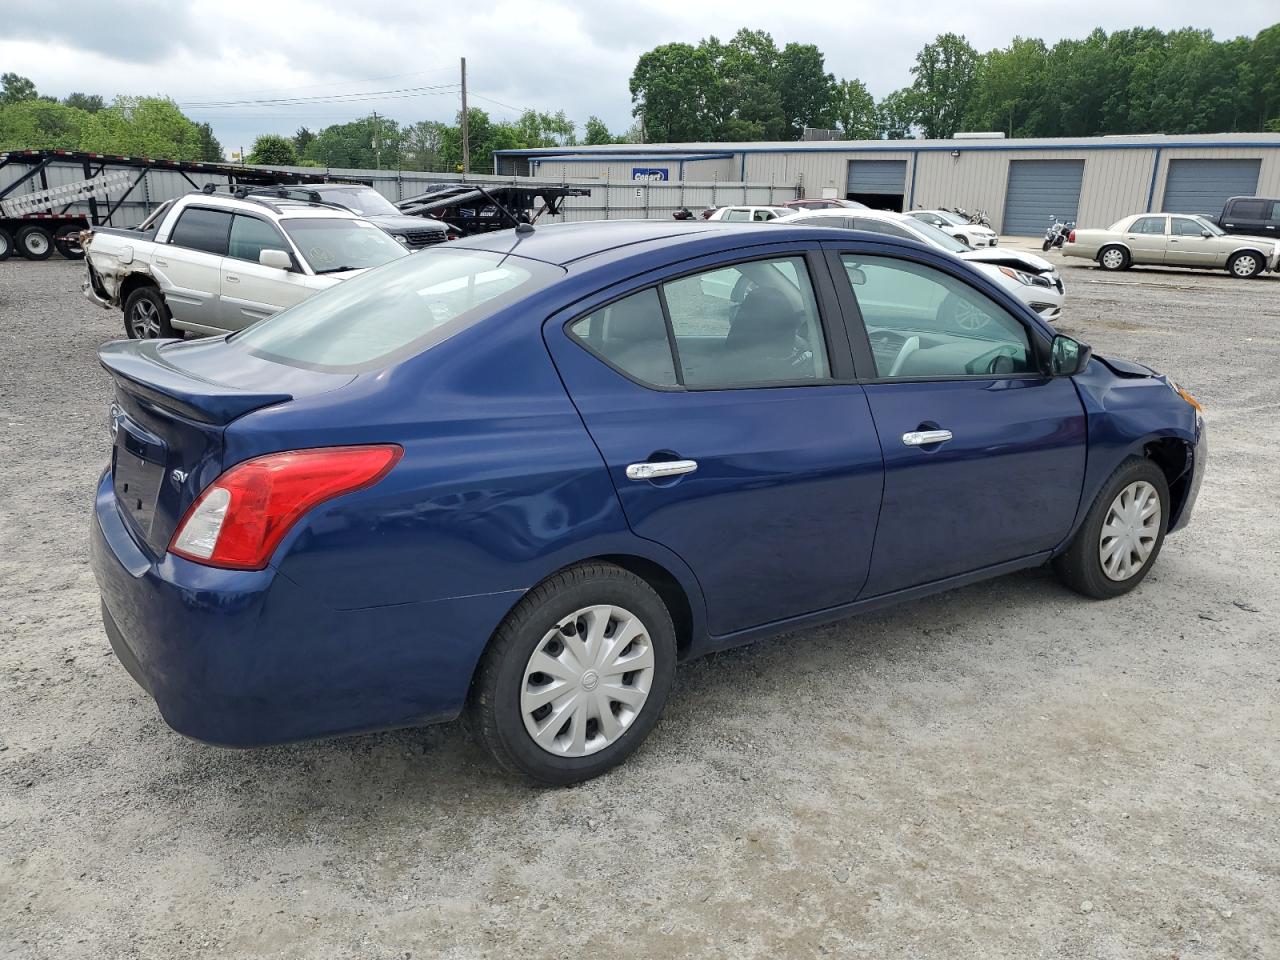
x,y
393,94
339,83
481,96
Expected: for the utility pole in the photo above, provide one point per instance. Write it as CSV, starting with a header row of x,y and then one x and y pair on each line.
x,y
377,142
466,143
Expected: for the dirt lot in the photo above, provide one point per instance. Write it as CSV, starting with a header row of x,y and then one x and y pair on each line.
x,y
1007,771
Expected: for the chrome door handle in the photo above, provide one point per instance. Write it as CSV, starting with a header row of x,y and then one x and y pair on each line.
x,y
922,438
660,469
232,278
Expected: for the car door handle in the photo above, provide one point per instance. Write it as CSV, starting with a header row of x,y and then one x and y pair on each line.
x,y
923,438
660,469
160,263
231,278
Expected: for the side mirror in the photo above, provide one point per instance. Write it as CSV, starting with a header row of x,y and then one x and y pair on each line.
x,y
1206,234
275,258
1068,357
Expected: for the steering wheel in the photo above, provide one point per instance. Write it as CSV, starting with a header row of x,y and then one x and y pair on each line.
x,y
909,346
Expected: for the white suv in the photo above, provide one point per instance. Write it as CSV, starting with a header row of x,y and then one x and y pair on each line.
x,y
212,264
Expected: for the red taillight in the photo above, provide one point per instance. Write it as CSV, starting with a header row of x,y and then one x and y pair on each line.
x,y
1071,237
242,516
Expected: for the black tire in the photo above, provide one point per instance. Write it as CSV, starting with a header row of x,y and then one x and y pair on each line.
x,y
1237,265
1080,566
6,245
67,240
34,243
494,709
963,239
146,315
1046,245
1123,262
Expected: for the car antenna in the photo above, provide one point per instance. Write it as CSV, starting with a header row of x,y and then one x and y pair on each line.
x,y
522,226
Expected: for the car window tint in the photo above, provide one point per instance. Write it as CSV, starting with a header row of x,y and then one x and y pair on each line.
x,y
922,322
762,215
737,215
754,322
1186,227
1250,209
1151,225
1275,211
631,334
844,222
201,229
250,236
882,226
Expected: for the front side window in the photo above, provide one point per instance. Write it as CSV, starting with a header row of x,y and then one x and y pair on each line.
x,y
922,322
742,325
382,315
331,246
1250,209
1148,225
884,227
250,236
760,216
1186,227
199,228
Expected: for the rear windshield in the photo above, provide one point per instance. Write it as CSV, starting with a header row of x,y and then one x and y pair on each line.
x,y
396,310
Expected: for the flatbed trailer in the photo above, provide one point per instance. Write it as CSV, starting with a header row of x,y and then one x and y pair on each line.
x,y
478,208
48,197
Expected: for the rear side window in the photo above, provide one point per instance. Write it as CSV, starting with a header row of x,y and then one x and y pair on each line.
x,y
250,236
747,324
737,215
400,309
1151,225
201,229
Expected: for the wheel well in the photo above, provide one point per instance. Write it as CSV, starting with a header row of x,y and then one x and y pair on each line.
x,y
132,283
1172,456
1107,246
666,586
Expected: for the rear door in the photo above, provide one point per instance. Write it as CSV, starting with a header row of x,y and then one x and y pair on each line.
x,y
731,374
1146,239
191,263
984,456
249,290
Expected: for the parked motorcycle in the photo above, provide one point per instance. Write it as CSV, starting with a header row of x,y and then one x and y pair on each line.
x,y
684,213
1056,235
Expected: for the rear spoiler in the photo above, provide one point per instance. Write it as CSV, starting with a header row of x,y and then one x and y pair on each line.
x,y
139,367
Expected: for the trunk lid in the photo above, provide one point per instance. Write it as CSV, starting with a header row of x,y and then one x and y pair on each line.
x,y
172,404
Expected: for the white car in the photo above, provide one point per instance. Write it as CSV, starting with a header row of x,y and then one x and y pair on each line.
x,y
974,234
750,214
212,264
1028,277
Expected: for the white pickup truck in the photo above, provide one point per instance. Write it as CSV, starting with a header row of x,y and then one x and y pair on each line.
x,y
212,264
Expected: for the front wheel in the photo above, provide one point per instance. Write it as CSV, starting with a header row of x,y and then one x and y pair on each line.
x,y
1121,536
1245,265
576,676
1046,245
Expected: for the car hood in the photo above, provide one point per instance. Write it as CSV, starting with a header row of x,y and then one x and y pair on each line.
x,y
1002,256
403,224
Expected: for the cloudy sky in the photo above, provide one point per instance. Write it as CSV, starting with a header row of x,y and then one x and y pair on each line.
x,y
546,54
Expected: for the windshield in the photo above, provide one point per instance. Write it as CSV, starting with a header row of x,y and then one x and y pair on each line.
x,y
329,246
401,309
366,201
935,237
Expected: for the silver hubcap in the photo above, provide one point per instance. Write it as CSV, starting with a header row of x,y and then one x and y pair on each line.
x,y
587,681
1130,530
1112,259
1244,266
36,243
144,320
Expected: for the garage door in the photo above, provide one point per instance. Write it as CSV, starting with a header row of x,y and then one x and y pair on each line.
x,y
1204,186
1038,190
877,176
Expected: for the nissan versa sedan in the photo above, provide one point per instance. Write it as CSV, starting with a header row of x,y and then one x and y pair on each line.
x,y
524,475
1175,241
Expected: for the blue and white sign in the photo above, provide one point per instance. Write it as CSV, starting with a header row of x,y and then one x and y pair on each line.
x,y
651,174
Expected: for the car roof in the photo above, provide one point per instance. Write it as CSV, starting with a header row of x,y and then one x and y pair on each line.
x,y
868,214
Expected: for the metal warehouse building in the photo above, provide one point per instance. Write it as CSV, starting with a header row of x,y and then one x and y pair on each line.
x,y
1019,183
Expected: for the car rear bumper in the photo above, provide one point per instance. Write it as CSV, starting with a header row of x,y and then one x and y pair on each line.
x,y
249,658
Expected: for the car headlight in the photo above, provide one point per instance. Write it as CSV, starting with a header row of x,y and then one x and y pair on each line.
x,y
1025,279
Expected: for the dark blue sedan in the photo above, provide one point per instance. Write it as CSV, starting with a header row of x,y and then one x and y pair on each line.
x,y
525,475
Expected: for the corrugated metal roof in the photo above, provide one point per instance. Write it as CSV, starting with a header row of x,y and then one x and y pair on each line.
x,y
1128,141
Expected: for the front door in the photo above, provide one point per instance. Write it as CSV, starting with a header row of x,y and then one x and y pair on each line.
x,y
190,265
721,403
984,456
1146,239
1189,247
251,291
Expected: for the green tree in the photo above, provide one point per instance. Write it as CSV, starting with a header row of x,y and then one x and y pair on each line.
x,y
536,129
16,89
143,127
809,94
596,132
210,148
897,114
944,72
89,102
35,124
670,88
271,148
749,99
352,144
302,139
1009,87
1263,60
422,144
853,110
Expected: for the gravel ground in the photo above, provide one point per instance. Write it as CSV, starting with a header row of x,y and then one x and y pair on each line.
x,y
1006,771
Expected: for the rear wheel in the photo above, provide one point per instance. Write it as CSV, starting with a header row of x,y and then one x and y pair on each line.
x,y
67,240
6,245
576,675
1245,265
146,315
1121,536
35,243
1113,258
